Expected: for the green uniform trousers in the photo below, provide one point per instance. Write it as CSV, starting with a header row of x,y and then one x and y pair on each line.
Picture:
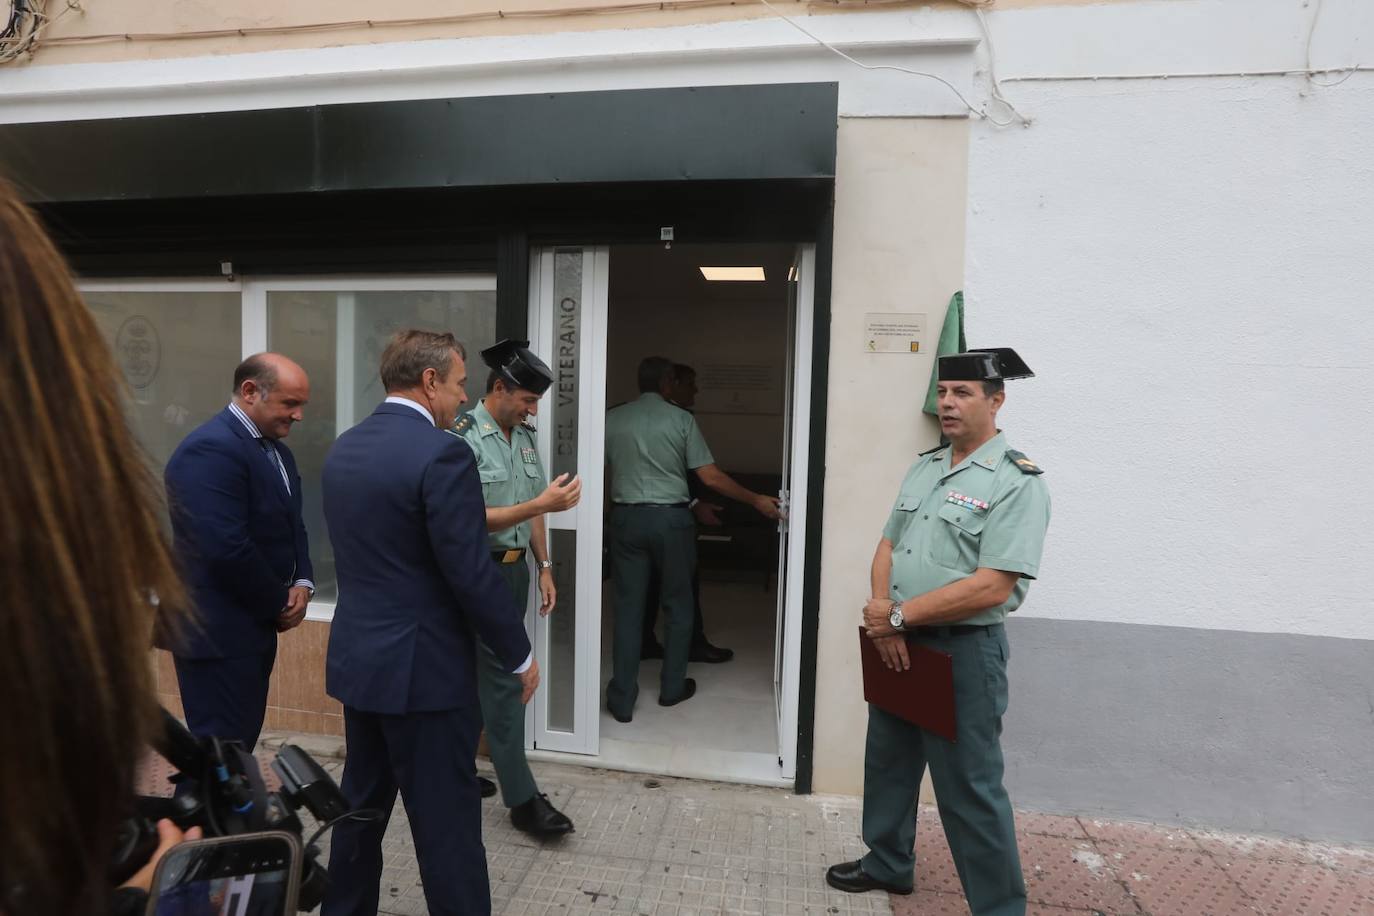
x,y
967,776
645,540
503,715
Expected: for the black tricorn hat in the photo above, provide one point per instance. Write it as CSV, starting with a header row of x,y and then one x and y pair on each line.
x,y
983,365
516,365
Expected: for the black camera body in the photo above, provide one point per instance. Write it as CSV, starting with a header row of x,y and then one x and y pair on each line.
x,y
220,788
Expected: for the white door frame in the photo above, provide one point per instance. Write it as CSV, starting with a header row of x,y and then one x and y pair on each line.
x,y
586,517
800,453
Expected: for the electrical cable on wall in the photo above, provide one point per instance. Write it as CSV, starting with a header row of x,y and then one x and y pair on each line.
x,y
1312,74
25,24
983,113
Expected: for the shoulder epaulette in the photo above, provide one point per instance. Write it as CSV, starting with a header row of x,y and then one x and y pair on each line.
x,y
529,426
1023,464
931,451
463,425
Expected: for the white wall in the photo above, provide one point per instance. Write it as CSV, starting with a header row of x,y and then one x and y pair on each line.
x,y
700,334
1187,264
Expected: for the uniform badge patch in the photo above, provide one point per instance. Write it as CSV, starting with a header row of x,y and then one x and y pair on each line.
x,y
968,502
528,455
463,425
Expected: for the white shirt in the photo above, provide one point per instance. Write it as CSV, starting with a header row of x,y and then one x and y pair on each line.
x,y
424,412
256,433
413,405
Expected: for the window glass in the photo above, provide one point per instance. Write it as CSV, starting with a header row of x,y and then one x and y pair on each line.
x,y
177,351
338,337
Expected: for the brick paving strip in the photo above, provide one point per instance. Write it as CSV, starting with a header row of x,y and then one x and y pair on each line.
x,y
654,845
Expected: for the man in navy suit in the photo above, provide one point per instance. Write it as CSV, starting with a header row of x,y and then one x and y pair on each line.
x,y
406,517
235,501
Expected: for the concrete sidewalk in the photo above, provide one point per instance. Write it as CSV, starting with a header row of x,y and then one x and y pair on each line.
x,y
654,845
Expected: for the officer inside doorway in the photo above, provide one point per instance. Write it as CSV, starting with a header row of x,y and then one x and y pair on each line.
x,y
651,445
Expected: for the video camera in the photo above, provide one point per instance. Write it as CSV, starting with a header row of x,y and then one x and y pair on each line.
x,y
220,789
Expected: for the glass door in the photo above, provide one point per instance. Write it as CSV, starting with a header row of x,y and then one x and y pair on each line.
x,y
567,327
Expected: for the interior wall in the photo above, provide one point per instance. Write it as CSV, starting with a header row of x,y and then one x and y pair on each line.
x,y
900,206
714,337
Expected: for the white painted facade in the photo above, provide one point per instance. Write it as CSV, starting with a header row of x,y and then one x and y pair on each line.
x,y
1180,251
1189,259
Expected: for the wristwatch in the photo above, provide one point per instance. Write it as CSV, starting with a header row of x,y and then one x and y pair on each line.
x,y
894,616
546,564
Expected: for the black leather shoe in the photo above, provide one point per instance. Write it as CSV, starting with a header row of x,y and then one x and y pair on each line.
x,y
851,877
711,655
618,717
539,818
487,786
689,689
651,650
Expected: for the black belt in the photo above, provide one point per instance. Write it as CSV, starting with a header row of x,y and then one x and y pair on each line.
x,y
508,556
655,505
962,629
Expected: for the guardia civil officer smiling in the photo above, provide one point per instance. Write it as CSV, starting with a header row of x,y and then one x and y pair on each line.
x,y
516,497
956,556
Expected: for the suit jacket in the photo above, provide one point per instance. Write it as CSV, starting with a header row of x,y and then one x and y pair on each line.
x,y
238,534
406,518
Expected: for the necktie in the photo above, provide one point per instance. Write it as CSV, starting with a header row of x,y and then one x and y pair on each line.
x,y
271,451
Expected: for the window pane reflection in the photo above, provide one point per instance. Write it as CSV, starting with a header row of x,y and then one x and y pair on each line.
x,y
177,351
338,337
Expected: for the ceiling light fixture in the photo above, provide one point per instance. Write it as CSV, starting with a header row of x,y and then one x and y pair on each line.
x,y
754,274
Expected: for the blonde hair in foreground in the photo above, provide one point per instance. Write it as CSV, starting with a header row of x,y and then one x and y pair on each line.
x,y
82,555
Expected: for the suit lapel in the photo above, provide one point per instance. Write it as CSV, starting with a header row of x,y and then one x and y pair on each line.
x,y
260,461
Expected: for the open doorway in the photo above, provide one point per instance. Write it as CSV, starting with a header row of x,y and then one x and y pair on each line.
x,y
598,311
734,334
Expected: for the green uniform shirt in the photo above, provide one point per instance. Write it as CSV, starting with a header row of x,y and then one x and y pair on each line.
x,y
650,445
510,471
947,522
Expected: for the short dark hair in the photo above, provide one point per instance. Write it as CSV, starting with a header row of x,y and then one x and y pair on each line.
x,y
652,372
682,372
991,386
492,378
258,369
409,353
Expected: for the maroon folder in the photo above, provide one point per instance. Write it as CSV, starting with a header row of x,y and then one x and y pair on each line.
x,y
922,695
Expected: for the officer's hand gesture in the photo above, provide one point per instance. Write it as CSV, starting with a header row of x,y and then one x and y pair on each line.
x,y
768,506
548,593
561,494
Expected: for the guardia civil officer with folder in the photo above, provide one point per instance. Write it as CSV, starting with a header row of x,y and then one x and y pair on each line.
x,y
516,497
957,555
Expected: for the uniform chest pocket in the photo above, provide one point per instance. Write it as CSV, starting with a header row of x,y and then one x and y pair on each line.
x,y
492,473
531,469
903,515
956,542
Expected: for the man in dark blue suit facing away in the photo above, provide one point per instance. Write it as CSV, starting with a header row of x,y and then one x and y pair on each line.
x,y
235,501
406,517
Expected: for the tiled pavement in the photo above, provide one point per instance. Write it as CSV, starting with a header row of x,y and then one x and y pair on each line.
x,y
675,847
1081,865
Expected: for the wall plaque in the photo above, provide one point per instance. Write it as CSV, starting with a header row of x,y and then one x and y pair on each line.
x,y
893,332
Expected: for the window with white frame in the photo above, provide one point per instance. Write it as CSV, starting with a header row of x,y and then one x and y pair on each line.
x,y
178,343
